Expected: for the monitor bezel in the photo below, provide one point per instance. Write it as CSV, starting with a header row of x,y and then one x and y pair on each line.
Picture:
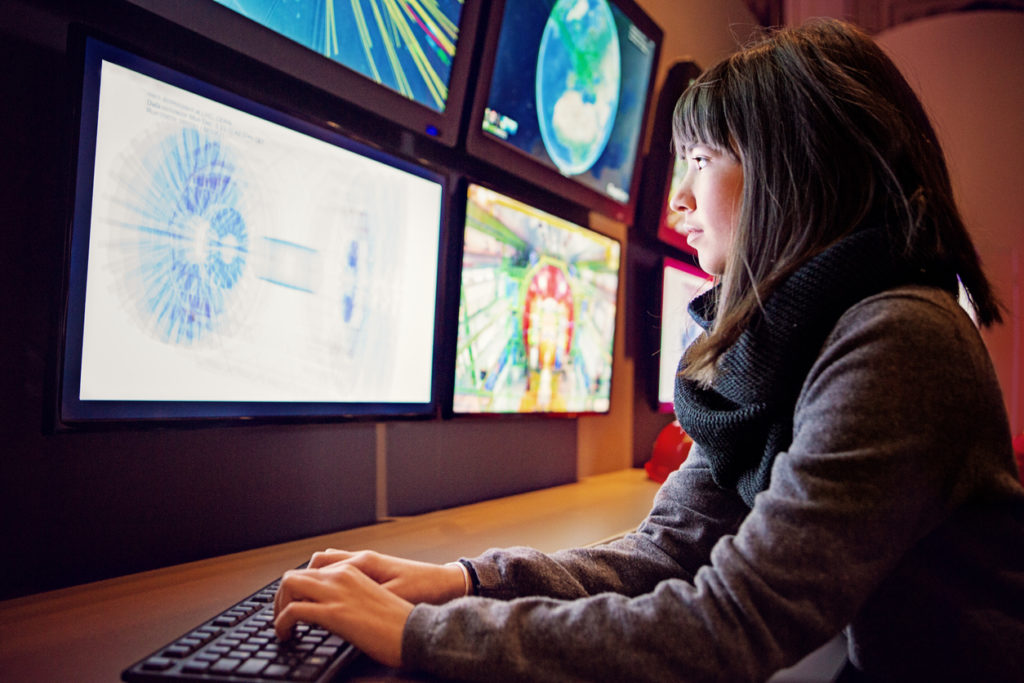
x,y
506,156
547,203
247,37
88,47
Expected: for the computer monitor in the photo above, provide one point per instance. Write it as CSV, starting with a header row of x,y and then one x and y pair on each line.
x,y
408,62
563,97
230,261
681,282
537,307
663,168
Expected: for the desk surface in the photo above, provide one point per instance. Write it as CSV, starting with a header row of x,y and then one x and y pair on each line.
x,y
94,631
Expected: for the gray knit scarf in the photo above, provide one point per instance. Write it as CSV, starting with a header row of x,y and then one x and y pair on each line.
x,y
745,418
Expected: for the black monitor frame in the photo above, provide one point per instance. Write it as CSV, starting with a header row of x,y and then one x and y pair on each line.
x,y
488,148
245,36
652,213
72,413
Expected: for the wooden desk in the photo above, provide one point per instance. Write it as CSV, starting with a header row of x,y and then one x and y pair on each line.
x,y
94,631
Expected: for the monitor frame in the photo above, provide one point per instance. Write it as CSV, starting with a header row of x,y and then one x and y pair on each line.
x,y
88,48
227,27
652,219
543,202
508,157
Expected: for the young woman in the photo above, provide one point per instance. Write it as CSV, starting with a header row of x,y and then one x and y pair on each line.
x,y
852,467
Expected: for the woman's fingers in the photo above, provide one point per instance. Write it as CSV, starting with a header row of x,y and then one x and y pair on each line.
x,y
299,585
327,557
411,580
342,599
307,612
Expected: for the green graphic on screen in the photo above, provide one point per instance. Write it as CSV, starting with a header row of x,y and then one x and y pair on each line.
x,y
578,81
406,45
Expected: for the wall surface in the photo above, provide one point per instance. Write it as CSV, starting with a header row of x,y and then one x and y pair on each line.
x,y
968,69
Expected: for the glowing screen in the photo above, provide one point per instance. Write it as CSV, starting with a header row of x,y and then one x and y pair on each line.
x,y
570,89
680,283
406,45
536,311
232,258
670,229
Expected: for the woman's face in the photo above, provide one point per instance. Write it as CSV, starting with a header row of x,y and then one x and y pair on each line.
x,y
709,199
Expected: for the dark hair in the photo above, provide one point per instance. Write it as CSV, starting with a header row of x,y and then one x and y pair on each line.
x,y
830,137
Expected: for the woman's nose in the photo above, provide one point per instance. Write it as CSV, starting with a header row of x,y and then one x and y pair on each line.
x,y
682,199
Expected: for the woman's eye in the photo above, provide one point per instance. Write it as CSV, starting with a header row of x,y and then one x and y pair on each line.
x,y
699,162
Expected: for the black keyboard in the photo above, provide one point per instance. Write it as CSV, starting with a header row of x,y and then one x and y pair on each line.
x,y
239,644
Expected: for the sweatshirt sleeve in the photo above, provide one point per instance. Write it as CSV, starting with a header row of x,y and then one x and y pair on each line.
x,y
689,514
868,473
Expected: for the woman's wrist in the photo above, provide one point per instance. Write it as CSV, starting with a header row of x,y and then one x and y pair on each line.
x,y
470,582
467,581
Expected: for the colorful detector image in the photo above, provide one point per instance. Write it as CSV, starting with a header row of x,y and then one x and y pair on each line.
x,y
537,307
406,46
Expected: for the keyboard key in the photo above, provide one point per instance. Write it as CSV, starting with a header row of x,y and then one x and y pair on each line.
x,y
319,661
157,664
305,673
276,671
225,666
252,667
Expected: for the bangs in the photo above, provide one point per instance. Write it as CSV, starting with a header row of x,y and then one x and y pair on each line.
x,y
700,115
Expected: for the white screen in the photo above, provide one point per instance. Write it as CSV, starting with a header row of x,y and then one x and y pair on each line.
x,y
235,259
678,328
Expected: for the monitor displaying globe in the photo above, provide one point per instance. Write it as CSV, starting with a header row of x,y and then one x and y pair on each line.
x,y
567,98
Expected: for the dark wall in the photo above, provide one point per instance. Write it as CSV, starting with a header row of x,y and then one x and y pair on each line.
x,y
439,464
78,506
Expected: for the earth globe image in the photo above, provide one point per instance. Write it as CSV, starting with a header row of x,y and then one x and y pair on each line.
x,y
578,78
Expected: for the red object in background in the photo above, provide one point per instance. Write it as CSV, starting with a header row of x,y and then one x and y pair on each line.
x,y
1018,451
670,450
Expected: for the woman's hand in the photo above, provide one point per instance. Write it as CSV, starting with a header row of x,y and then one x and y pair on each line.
x,y
342,599
408,579
365,597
